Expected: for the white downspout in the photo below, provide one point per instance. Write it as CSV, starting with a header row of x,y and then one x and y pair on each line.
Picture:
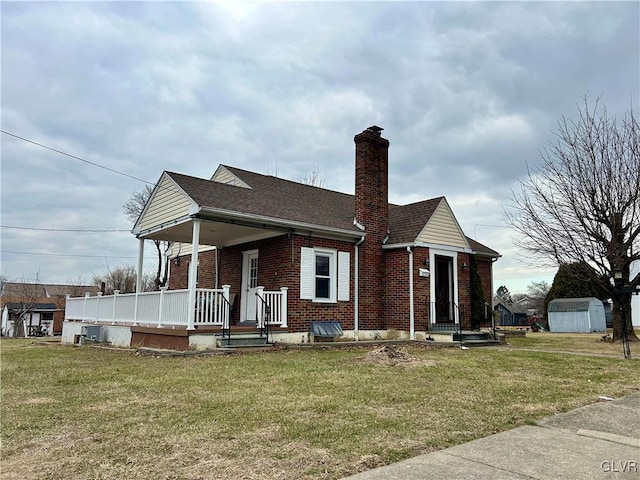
x,y
412,329
356,300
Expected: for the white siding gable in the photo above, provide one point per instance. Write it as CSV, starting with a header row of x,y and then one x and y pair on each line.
x,y
443,228
168,202
223,175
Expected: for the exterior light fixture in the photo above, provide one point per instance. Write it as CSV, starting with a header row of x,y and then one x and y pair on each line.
x,y
618,277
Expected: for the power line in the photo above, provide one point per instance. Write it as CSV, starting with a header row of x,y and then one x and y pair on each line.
x,y
77,230
76,157
63,254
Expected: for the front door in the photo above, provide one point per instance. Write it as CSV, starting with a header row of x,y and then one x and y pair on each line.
x,y
249,285
444,289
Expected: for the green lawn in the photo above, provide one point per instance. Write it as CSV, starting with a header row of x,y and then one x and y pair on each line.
x,y
83,412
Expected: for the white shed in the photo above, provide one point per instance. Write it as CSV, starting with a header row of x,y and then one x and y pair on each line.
x,y
577,315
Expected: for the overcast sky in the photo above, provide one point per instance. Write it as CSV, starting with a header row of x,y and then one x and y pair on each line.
x,y
466,93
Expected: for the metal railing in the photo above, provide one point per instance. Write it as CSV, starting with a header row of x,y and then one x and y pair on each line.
x,y
445,317
263,316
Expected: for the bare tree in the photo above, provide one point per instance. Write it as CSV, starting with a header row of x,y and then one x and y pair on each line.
x,y
582,204
124,279
133,209
313,178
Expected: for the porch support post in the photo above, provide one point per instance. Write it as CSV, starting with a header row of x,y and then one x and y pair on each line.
x,y
115,301
226,313
135,309
260,306
140,259
97,319
84,306
162,290
193,273
283,306
412,329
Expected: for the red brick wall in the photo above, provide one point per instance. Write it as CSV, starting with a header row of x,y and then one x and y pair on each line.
x,y
279,266
464,290
397,284
485,269
179,274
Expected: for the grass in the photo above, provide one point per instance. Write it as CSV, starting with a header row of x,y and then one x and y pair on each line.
x,y
76,413
571,342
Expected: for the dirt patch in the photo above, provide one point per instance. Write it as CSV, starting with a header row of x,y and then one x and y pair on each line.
x,y
395,356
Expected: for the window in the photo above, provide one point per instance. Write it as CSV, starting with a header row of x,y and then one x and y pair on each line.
x,y
324,275
47,316
253,272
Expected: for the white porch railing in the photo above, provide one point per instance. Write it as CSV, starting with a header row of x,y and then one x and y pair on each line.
x,y
271,306
163,308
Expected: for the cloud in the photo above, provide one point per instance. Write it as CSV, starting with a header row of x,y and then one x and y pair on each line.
x,y
466,92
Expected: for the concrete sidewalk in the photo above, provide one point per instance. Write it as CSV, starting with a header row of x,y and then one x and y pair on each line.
x,y
601,440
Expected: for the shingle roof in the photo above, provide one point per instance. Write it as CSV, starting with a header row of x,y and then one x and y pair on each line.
x,y
478,247
277,198
273,197
44,290
407,221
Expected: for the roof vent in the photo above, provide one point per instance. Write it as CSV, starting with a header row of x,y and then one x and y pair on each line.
x,y
375,129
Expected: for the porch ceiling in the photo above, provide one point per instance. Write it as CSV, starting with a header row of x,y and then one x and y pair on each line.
x,y
220,234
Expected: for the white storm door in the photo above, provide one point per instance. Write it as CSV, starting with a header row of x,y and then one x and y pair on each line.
x,y
249,285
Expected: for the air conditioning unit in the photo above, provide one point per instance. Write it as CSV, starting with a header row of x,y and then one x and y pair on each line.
x,y
92,333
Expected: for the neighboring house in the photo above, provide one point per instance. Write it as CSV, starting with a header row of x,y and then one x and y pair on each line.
x,y
300,253
512,314
39,307
578,315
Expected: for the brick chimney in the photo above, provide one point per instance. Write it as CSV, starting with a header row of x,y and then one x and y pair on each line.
x,y
372,212
372,190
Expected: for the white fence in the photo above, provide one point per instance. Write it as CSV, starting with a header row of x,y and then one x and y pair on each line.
x,y
163,308
271,307
171,308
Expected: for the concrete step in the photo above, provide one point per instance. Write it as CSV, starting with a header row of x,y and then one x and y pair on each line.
x,y
243,340
467,336
480,343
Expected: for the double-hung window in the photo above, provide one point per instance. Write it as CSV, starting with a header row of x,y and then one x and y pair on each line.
x,y
324,275
324,263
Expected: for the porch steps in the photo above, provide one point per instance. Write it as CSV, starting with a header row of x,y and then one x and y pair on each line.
x,y
474,339
243,340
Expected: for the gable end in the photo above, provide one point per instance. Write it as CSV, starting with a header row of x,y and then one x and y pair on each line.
x,y
168,202
224,175
443,228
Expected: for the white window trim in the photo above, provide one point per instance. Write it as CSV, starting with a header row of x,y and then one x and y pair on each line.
x,y
333,274
337,291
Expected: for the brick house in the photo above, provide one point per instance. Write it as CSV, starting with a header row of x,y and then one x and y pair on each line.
x,y
302,254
